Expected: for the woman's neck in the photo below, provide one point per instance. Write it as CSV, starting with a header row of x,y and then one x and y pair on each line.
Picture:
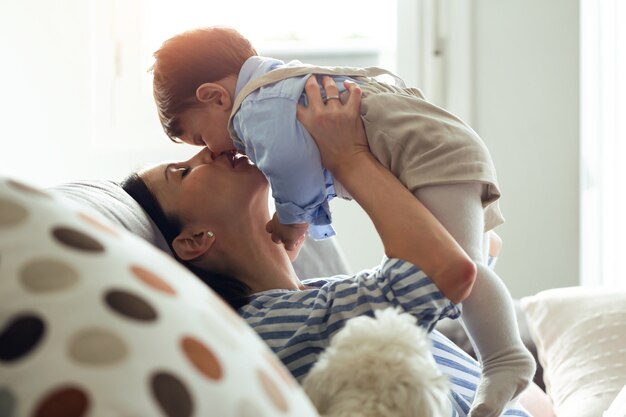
x,y
269,267
258,261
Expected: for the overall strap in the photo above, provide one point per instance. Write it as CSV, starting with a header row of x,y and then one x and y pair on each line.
x,y
296,71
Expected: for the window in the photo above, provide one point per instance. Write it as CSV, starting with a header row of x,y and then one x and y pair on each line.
x,y
603,142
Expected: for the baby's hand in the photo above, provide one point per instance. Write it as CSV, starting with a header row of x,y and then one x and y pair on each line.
x,y
291,235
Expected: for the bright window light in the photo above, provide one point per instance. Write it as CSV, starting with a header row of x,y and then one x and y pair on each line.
x,y
603,111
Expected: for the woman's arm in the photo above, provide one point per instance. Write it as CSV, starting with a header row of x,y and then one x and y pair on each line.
x,y
405,226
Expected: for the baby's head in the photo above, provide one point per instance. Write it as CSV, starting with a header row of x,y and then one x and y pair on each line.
x,y
183,65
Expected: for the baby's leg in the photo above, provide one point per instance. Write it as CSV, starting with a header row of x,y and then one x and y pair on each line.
x,y
488,313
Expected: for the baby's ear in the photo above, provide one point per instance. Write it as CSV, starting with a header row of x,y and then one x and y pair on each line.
x,y
189,245
213,93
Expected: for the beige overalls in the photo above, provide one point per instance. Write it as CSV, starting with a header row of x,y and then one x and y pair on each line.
x,y
420,143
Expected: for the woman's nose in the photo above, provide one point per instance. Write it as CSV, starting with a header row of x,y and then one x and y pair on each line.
x,y
205,156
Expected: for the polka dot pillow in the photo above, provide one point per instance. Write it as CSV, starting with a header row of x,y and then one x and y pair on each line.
x,y
96,322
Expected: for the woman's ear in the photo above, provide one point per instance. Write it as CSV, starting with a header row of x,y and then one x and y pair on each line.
x,y
189,245
213,93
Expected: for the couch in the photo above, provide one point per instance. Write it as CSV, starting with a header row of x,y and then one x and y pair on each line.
x,y
96,321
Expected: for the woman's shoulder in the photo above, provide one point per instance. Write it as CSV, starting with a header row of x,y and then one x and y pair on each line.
x,y
386,265
393,277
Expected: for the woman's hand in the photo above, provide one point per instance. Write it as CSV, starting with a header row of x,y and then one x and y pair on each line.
x,y
336,127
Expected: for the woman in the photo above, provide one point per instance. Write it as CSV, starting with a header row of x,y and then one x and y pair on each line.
x,y
216,215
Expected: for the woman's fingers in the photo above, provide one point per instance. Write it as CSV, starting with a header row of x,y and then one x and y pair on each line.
x,y
354,98
336,127
313,94
332,91
307,114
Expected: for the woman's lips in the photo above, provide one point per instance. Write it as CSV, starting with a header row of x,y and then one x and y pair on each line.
x,y
231,156
238,158
235,157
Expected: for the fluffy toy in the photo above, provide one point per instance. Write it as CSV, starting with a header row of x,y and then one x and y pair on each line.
x,y
379,367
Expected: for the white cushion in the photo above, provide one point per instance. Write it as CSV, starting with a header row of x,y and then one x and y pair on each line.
x,y
110,200
618,406
580,334
95,321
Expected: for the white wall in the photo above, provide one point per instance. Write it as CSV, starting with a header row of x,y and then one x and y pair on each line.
x,y
48,99
45,85
512,71
526,107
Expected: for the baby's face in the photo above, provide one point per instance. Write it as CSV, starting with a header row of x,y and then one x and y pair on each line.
x,y
206,126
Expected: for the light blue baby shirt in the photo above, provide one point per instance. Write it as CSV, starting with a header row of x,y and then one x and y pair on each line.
x,y
282,149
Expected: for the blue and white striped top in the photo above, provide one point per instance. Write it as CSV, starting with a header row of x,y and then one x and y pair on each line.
x,y
298,324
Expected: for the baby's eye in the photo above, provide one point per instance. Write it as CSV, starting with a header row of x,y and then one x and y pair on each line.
x,y
185,171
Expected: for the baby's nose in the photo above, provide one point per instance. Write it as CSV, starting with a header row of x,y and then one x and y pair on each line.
x,y
207,155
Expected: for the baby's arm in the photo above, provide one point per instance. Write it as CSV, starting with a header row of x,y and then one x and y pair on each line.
x,y
291,235
285,152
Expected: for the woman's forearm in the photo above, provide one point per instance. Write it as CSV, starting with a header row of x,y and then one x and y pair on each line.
x,y
407,229
397,215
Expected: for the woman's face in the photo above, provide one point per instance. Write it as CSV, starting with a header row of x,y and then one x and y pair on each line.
x,y
209,188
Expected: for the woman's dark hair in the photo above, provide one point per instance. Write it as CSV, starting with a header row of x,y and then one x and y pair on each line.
x,y
232,290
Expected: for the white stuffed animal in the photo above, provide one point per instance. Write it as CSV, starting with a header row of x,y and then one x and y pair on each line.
x,y
379,367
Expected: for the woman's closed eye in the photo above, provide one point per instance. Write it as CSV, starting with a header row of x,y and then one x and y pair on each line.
x,y
181,171
175,171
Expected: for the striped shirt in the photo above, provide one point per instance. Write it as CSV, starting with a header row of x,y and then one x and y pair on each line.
x,y
298,324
